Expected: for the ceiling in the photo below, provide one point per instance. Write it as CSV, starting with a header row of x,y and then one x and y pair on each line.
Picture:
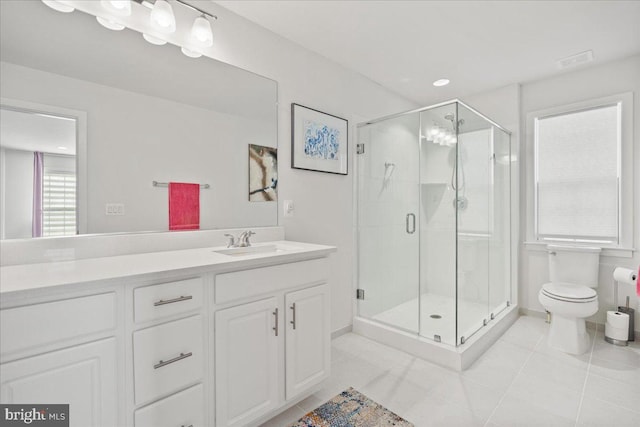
x,y
22,130
478,45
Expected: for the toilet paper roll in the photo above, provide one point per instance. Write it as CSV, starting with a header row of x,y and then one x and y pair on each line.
x,y
619,334
624,275
618,320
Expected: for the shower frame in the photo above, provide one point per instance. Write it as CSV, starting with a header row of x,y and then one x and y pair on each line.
x,y
465,348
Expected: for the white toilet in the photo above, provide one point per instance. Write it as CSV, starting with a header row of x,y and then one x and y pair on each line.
x,y
570,297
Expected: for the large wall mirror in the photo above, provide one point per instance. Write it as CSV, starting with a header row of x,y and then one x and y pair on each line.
x,y
96,116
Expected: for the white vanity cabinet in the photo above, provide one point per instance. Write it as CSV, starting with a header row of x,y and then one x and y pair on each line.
x,y
273,349
213,340
308,339
63,352
247,371
169,353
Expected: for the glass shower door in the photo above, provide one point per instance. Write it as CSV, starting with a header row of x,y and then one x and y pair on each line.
x,y
388,221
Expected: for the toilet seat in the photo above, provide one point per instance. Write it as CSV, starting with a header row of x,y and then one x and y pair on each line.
x,y
569,292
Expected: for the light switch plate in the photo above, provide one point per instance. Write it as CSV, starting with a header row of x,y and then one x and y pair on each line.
x,y
289,208
114,209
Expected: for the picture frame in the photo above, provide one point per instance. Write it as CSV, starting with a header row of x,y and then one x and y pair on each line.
x,y
319,141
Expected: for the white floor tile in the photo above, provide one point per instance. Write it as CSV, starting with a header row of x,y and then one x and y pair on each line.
x,y
477,399
616,371
436,412
598,413
520,381
498,367
289,416
541,390
616,392
516,412
526,332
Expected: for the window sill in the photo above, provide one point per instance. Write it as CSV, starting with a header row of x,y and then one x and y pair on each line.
x,y
608,252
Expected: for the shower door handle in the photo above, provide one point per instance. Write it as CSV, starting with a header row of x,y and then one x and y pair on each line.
x,y
411,229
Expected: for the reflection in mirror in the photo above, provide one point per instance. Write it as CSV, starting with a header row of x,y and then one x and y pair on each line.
x,y
152,115
38,178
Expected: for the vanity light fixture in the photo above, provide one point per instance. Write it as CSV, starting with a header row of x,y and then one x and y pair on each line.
x,y
154,40
117,7
201,34
109,23
441,82
60,7
162,17
190,53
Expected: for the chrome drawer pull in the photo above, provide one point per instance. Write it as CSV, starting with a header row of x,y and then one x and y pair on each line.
x,y
171,301
275,328
293,322
175,359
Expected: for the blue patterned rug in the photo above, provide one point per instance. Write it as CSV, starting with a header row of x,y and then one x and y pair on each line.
x,y
351,409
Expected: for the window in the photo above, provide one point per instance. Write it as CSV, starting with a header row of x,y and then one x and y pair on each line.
x,y
582,173
58,203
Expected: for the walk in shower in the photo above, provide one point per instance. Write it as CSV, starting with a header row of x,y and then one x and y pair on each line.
x,y
433,228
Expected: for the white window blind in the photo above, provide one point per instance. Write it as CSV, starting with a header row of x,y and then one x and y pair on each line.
x,y
577,175
59,203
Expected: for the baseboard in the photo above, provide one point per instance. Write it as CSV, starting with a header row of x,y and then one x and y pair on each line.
x,y
338,332
590,325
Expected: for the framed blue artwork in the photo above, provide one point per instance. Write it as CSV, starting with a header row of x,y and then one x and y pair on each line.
x,y
319,141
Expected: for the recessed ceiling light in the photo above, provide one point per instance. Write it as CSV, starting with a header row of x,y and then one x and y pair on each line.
x,y
441,82
62,148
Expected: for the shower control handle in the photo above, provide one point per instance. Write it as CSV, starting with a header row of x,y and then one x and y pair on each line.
x,y
411,229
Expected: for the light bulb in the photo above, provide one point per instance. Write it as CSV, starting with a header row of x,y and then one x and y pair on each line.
x,y
153,39
56,5
201,33
110,24
190,53
433,131
162,17
117,7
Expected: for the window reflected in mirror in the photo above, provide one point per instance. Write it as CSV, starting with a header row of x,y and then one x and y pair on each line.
x,y
38,178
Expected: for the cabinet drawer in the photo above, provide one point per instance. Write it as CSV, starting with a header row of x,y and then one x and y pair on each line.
x,y
167,357
181,409
167,299
247,283
32,326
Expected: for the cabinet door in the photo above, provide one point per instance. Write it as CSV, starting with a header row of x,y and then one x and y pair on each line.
x,y
83,376
308,339
247,368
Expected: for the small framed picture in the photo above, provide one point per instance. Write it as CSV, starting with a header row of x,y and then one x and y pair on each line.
x,y
319,141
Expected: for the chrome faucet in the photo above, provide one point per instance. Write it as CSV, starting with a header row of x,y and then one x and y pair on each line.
x,y
243,239
232,241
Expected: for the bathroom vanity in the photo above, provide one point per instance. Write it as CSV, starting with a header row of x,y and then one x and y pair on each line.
x,y
195,337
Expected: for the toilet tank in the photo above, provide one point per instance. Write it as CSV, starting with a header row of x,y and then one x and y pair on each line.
x,y
570,264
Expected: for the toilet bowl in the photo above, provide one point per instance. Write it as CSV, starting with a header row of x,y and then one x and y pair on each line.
x,y
570,297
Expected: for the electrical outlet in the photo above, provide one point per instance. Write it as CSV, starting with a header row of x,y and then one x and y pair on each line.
x,y
289,208
114,209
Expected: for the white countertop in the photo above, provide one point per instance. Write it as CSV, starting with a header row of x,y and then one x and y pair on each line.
x,y
17,278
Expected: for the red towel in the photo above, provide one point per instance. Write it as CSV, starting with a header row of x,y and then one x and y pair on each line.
x,y
184,206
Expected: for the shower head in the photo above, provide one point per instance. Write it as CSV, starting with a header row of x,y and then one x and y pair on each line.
x,y
451,117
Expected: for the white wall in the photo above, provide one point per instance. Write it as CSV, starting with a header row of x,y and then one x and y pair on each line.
x,y
324,202
584,84
134,139
16,181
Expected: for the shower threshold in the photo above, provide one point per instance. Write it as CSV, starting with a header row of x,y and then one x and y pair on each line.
x,y
456,358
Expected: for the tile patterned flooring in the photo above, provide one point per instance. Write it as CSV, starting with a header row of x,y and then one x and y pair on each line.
x,y
520,381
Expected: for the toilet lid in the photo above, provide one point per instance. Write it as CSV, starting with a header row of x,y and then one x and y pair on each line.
x,y
569,292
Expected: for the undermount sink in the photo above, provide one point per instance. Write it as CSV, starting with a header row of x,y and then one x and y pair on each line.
x,y
251,250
